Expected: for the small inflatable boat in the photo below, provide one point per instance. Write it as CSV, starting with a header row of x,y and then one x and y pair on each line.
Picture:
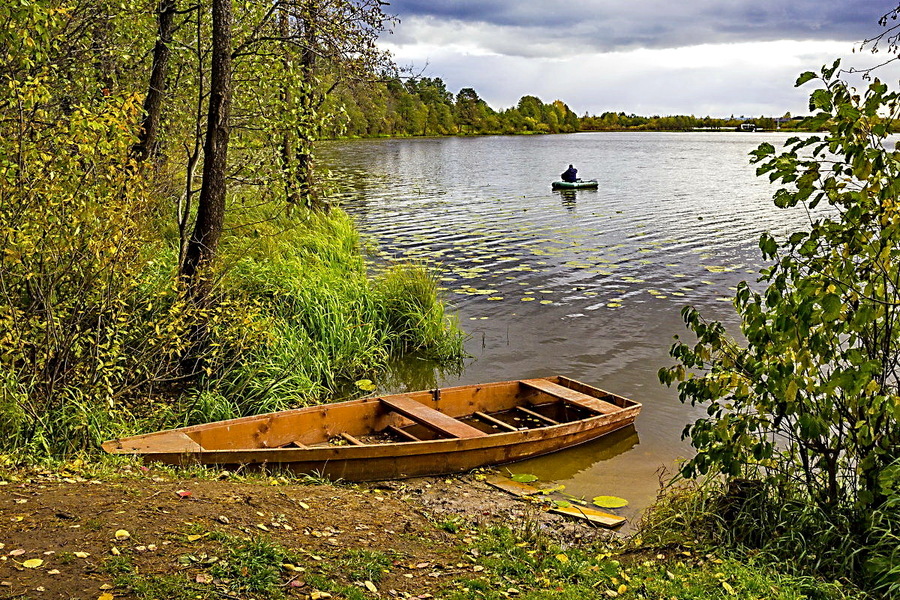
x,y
574,185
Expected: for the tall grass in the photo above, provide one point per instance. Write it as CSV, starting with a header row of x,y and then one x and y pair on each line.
x,y
300,315
782,528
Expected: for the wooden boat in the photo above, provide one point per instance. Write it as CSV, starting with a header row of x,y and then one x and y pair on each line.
x,y
575,185
433,432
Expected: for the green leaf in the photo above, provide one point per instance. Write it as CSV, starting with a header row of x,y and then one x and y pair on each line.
x,y
831,307
523,478
804,77
365,385
610,502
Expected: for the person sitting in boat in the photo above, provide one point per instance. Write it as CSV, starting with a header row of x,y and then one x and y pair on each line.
x,y
570,175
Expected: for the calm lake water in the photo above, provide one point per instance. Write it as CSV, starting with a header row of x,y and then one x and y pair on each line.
x,y
586,284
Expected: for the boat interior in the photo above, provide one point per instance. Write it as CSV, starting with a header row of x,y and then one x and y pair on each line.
x,y
458,412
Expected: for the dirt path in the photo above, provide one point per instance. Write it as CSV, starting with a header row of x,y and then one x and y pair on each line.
x,y
70,537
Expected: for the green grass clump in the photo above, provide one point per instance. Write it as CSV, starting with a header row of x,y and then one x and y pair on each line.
x,y
366,565
781,528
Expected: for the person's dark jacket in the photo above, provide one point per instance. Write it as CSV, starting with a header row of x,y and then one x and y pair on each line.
x,y
570,174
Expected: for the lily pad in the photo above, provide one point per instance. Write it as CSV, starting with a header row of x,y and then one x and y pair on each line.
x,y
610,502
365,385
523,478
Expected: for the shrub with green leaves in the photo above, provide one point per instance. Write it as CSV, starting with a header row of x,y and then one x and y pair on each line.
x,y
810,405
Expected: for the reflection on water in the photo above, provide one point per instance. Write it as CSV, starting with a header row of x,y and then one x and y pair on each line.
x,y
583,283
570,196
569,464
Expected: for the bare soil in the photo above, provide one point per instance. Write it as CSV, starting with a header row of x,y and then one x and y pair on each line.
x,y
59,531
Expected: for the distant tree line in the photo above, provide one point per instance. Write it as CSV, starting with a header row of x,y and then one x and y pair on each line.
x,y
620,121
424,106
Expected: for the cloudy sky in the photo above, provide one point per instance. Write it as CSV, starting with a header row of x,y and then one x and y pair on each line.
x,y
701,57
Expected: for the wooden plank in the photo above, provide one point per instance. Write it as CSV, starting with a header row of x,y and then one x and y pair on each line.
x,y
571,396
513,487
430,418
537,415
351,439
588,514
404,434
497,422
168,441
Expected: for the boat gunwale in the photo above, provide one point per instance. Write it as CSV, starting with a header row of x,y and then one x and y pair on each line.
x,y
496,439
288,454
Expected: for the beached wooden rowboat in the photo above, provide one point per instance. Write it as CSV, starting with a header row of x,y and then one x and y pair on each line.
x,y
446,430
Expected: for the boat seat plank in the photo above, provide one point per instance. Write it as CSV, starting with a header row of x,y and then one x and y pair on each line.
x,y
571,396
349,438
430,417
403,433
537,415
497,422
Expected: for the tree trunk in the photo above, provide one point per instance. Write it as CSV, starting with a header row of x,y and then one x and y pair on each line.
x,y
307,105
287,143
204,240
146,145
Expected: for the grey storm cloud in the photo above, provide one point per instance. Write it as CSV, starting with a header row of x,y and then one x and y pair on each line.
x,y
607,25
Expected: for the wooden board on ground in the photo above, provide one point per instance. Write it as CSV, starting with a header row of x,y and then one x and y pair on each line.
x,y
589,514
513,487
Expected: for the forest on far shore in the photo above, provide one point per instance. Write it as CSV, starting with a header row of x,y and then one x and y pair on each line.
x,y
423,106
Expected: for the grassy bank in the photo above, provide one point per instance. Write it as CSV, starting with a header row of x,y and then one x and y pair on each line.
x,y
298,316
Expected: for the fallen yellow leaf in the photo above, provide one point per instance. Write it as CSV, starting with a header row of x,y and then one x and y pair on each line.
x,y
32,563
122,535
370,586
81,554
105,596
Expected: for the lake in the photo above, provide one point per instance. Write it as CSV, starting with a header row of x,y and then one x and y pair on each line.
x,y
589,283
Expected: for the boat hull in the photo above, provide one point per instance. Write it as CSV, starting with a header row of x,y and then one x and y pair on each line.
x,y
575,185
379,461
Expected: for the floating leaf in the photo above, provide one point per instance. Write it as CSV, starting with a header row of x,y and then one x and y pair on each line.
x,y
562,503
523,478
32,563
365,385
610,502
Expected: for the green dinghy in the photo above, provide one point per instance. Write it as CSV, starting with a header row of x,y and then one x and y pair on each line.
x,y
591,184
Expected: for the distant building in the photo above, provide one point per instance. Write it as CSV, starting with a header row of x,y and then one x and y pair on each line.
x,y
748,127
